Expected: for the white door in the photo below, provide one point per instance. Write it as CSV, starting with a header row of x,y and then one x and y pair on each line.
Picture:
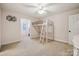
x,y
25,28
73,19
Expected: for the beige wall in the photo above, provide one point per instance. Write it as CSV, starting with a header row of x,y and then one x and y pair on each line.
x,y
0,28
77,29
61,24
11,30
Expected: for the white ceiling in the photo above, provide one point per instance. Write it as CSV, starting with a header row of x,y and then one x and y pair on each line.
x,y
31,9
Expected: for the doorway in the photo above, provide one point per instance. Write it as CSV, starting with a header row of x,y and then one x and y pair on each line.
x,y
25,28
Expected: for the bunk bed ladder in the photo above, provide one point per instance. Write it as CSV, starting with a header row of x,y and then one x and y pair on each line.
x,y
43,34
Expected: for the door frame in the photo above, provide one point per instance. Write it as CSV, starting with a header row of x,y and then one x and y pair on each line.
x,y
29,26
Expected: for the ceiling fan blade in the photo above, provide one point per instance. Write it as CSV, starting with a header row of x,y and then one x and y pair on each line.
x,y
29,5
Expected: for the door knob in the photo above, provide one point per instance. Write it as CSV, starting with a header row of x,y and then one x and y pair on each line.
x,y
69,31
29,34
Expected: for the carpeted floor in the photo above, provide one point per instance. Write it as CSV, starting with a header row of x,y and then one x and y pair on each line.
x,y
29,47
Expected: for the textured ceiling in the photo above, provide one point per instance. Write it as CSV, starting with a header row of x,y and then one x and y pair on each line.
x,y
31,9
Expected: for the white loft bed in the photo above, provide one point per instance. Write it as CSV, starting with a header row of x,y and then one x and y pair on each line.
x,y
38,25
46,31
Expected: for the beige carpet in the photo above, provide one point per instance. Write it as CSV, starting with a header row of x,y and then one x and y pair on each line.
x,y
28,47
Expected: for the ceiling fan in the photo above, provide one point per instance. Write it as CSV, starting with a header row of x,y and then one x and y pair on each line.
x,y
32,5
41,7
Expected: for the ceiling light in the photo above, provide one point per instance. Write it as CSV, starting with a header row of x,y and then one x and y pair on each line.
x,y
41,11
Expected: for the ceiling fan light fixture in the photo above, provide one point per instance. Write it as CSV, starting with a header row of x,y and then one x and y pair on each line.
x,y
41,11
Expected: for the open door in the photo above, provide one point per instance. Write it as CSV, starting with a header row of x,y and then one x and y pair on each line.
x,y
25,28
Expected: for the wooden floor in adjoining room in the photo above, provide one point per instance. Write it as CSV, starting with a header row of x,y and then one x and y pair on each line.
x,y
29,47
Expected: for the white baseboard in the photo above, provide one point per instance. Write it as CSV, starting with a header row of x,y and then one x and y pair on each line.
x,y
61,40
4,43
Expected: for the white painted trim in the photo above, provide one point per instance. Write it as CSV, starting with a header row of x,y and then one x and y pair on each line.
x,y
60,40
